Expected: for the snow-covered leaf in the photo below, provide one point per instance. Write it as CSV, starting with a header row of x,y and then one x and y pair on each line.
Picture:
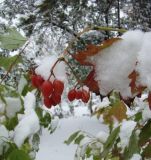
x,y
132,147
110,142
92,50
72,138
78,139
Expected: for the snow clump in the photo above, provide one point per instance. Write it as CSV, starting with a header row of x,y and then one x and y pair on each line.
x,y
29,123
115,63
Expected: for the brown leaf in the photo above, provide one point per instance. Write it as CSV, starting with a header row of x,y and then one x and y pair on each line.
x,y
92,50
137,90
91,83
149,100
117,111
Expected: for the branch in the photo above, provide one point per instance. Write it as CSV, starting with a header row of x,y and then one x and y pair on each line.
x,y
13,63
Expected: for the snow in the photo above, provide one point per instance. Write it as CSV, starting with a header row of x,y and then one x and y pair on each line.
x,y
125,132
3,137
146,113
102,136
53,147
22,84
45,66
144,63
136,157
29,123
13,105
115,63
2,107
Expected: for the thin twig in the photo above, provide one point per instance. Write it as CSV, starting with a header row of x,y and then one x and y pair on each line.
x,y
13,63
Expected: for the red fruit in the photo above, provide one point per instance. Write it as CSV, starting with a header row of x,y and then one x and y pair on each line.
x,y
58,86
53,102
47,102
34,80
72,95
56,98
47,88
85,96
79,94
39,80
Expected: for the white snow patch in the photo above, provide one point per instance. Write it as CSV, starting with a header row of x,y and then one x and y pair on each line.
x,y
3,137
144,63
29,124
136,157
13,105
125,132
115,63
102,136
2,107
22,84
45,66
52,145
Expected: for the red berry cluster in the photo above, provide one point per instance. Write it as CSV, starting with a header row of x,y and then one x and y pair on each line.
x,y
51,91
79,94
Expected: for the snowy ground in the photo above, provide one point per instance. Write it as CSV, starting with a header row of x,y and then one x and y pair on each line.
x,y
52,146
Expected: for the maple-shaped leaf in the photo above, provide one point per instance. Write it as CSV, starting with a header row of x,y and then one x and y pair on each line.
x,y
135,90
91,83
91,50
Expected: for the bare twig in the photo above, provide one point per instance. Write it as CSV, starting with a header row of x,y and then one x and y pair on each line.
x,y
13,63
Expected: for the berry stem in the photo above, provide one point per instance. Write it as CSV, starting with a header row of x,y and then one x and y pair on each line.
x,y
51,71
78,80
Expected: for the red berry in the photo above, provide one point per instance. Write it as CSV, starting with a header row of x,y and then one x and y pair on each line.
x,y
85,96
79,94
56,98
72,95
47,88
34,80
53,102
58,86
40,81
47,102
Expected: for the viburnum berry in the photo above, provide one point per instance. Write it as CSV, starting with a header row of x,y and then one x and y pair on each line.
x,y
47,102
78,94
58,86
72,95
56,98
85,96
34,80
47,88
40,80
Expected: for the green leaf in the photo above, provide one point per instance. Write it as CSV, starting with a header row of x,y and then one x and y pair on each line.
x,y
12,39
6,62
145,133
147,152
11,123
132,147
18,155
138,116
96,157
71,138
110,142
88,152
78,139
